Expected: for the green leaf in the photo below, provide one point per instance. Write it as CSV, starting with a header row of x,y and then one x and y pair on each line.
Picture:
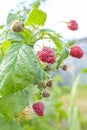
x,y
5,46
84,70
11,105
62,113
37,17
1,54
18,69
1,26
27,34
70,43
65,53
3,37
15,37
11,17
4,125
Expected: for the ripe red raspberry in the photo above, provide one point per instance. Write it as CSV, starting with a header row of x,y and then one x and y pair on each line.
x,y
76,51
73,25
47,55
39,108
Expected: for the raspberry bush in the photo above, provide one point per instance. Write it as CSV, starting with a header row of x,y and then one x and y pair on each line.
x,y
25,75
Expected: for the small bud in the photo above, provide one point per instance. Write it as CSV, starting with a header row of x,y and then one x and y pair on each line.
x,y
46,93
42,84
17,26
26,113
49,83
47,68
64,67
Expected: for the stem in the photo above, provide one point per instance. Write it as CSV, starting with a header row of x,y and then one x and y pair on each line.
x,y
73,111
74,91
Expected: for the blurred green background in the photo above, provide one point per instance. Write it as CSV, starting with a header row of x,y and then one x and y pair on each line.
x,y
66,108
57,113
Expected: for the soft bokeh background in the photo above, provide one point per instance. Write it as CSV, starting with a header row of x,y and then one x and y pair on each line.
x,y
57,106
57,10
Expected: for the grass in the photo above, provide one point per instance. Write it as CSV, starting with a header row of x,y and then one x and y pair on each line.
x,y
81,103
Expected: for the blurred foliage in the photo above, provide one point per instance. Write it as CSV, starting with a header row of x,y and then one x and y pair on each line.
x,y
59,114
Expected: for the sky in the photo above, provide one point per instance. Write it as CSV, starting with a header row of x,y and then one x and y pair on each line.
x,y
57,11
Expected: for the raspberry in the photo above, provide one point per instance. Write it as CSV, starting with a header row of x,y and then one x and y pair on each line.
x,y
49,83
39,108
73,25
76,51
26,113
17,26
47,55
46,93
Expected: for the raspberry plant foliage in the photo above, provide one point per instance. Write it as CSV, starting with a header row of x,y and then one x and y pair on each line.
x,y
21,70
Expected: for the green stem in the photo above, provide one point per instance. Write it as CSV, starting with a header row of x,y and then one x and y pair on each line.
x,y
74,91
73,112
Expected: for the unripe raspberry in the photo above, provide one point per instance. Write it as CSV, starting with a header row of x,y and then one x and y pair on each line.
x,y
17,26
26,113
76,51
47,55
64,67
39,108
46,93
73,25
42,84
49,83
